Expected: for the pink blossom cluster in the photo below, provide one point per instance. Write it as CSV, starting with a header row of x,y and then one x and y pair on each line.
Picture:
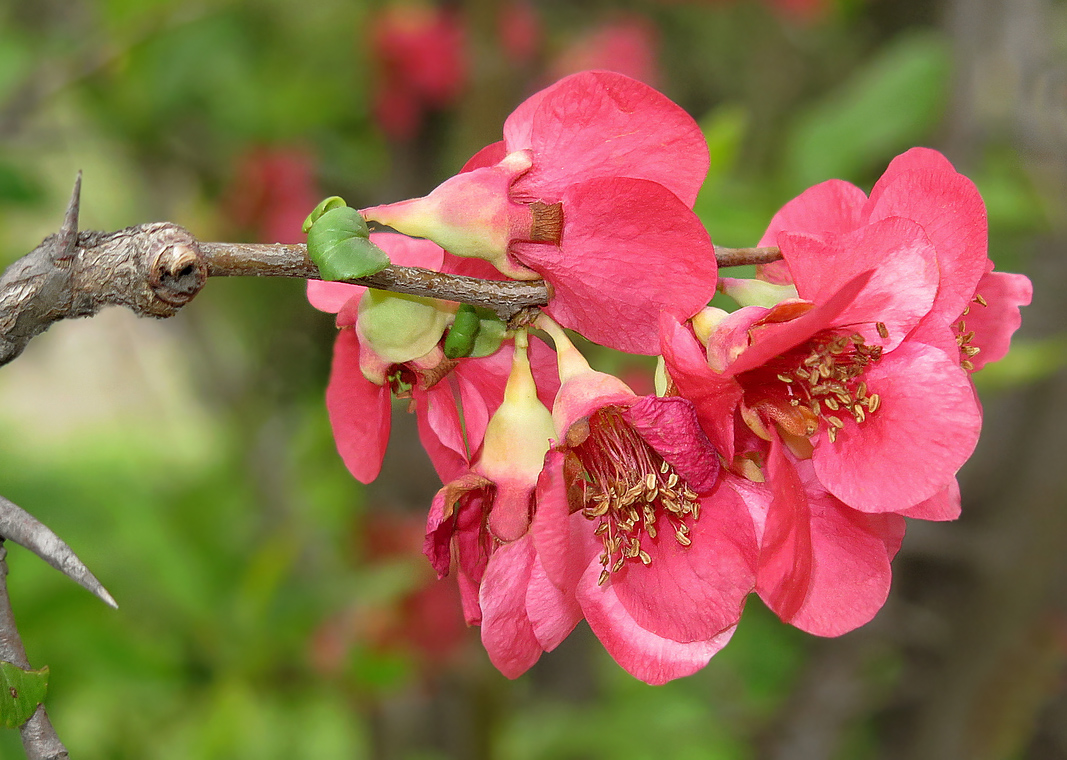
x,y
788,439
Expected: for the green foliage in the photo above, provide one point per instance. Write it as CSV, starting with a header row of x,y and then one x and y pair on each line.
x,y
1029,361
885,107
20,692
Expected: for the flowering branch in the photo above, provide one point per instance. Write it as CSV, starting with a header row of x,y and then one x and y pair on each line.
x,y
155,269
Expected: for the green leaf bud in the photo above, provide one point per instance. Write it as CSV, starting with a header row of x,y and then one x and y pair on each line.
x,y
339,245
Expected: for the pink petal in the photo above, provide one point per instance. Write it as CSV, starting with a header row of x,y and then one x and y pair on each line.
x,y
651,658
489,155
440,430
824,567
468,594
944,505
481,389
405,251
903,282
669,425
786,560
692,593
950,210
553,612
995,323
562,547
359,411
507,634
925,428
915,159
851,574
714,396
603,124
331,296
775,339
630,249
832,207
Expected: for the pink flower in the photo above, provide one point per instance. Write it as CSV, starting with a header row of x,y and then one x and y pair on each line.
x,y
591,189
363,380
482,519
635,521
854,400
921,185
420,62
887,420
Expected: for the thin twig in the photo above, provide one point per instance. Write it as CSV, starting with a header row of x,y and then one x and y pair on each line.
x,y
39,738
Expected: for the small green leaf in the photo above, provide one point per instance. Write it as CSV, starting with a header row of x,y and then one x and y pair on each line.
x,y
328,204
340,246
491,333
20,693
461,336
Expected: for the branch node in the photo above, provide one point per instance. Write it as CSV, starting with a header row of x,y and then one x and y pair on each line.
x,y
178,272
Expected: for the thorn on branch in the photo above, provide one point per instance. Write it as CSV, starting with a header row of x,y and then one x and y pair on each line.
x,y
68,233
18,525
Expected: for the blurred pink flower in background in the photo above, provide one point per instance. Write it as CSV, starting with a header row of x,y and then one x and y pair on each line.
x,y
420,64
520,31
627,45
271,193
422,622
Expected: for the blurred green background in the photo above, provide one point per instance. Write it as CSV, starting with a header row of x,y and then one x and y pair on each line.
x,y
273,608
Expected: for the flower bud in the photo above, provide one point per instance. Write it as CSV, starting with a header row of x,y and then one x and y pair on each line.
x,y
398,327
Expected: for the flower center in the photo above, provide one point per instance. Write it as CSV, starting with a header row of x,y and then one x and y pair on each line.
x,y
964,337
629,491
818,382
